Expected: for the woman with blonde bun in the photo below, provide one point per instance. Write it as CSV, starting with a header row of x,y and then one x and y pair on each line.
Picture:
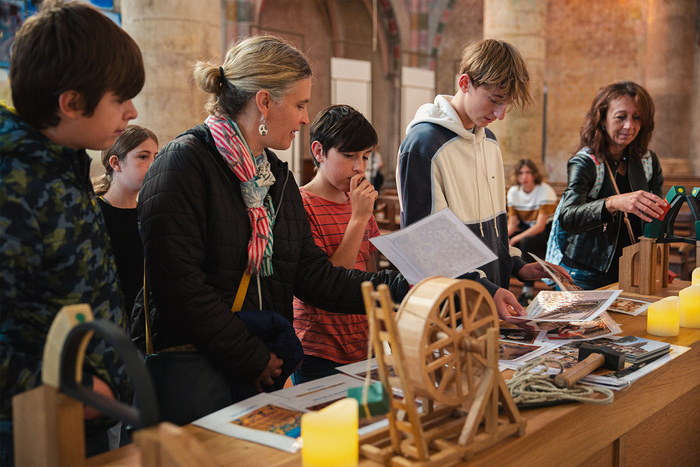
x,y
219,209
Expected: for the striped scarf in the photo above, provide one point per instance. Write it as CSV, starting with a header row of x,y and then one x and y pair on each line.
x,y
255,182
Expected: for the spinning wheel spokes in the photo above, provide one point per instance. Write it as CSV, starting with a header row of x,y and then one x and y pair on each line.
x,y
482,324
447,382
439,363
440,325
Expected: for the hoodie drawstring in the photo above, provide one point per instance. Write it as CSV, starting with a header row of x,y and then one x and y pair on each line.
x,y
493,207
478,191
476,171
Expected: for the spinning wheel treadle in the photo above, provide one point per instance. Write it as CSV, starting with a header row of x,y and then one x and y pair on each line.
x,y
438,323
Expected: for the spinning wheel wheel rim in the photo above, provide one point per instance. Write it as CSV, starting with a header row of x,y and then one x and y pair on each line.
x,y
439,323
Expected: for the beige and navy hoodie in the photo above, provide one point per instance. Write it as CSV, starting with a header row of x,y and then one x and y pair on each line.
x,y
443,165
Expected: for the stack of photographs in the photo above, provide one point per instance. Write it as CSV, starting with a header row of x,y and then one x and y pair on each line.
x,y
636,349
641,356
569,306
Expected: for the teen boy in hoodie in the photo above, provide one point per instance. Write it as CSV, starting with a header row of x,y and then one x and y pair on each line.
x,y
450,160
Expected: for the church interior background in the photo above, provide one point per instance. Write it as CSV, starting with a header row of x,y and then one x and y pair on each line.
x,y
386,57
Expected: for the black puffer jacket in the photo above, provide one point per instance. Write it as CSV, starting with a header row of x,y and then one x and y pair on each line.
x,y
195,232
596,230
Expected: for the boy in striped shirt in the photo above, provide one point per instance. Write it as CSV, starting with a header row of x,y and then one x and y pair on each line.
x,y
339,203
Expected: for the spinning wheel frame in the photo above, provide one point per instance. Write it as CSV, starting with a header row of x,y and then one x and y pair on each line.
x,y
437,359
447,361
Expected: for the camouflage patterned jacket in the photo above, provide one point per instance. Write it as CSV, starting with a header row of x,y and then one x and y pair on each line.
x,y
54,251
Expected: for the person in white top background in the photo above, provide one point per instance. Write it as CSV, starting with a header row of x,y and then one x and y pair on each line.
x,y
531,204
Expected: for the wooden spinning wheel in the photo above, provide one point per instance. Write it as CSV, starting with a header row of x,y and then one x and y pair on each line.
x,y
439,322
444,350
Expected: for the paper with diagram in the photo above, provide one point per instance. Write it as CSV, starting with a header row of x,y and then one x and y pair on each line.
x,y
438,245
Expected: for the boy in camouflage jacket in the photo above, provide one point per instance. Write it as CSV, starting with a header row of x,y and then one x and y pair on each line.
x,y
73,73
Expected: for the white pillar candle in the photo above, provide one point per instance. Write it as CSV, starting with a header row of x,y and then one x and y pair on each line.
x,y
690,306
696,277
330,435
663,317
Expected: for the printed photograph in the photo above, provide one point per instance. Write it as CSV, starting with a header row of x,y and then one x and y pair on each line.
x,y
602,326
628,306
518,335
273,419
567,356
569,306
509,351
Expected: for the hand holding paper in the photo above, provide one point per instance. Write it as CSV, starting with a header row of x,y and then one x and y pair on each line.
x,y
561,279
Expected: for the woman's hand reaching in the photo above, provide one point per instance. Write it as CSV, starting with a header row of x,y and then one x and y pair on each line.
x,y
647,206
508,308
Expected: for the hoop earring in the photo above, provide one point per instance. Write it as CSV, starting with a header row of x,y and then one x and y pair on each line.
x,y
262,129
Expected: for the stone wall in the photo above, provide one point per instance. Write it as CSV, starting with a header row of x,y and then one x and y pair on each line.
x,y
173,35
344,32
587,44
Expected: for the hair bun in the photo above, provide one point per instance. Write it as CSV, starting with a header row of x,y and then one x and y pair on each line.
x,y
222,78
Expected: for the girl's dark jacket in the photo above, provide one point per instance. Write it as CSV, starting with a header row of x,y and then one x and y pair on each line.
x,y
195,232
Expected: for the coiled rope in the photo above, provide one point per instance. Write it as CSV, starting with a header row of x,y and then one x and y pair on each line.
x,y
531,384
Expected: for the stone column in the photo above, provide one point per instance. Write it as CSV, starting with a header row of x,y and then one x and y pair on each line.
x,y
521,23
694,152
173,35
669,79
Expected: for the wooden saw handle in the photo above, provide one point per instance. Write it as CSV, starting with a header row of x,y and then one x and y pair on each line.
x,y
578,371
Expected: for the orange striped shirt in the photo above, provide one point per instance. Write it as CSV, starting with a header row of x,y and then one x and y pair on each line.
x,y
338,337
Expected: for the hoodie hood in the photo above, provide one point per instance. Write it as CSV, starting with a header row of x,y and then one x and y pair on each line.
x,y
441,112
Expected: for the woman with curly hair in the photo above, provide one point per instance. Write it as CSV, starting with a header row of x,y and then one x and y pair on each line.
x,y
614,184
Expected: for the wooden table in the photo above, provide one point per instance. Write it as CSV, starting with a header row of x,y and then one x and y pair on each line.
x,y
655,422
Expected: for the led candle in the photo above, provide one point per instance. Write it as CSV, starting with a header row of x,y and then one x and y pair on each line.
x,y
696,277
690,306
330,435
663,317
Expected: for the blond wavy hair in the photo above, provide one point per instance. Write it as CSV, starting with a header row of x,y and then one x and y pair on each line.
x,y
256,63
497,63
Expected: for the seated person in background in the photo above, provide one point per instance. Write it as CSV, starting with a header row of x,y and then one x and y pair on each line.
x,y
338,203
531,203
450,160
73,74
126,163
594,208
